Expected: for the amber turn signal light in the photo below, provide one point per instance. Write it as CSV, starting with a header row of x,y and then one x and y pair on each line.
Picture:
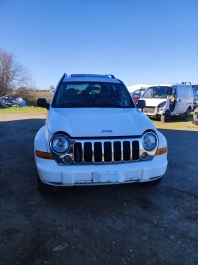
x,y
161,151
44,155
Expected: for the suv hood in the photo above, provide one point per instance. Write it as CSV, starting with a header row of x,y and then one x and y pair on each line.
x,y
98,122
153,102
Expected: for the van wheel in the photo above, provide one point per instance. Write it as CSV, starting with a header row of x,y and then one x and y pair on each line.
x,y
166,116
45,188
183,116
188,112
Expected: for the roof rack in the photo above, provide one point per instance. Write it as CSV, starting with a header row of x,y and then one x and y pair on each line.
x,y
92,75
110,76
186,83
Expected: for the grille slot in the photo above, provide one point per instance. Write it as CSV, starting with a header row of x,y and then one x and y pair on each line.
x,y
135,150
106,151
98,152
87,152
117,151
126,150
77,152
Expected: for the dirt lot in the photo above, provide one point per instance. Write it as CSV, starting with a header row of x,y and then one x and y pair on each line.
x,y
123,224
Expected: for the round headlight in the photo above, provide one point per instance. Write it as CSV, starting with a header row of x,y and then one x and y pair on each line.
x,y
60,144
149,141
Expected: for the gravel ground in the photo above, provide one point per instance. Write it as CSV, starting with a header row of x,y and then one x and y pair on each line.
x,y
119,224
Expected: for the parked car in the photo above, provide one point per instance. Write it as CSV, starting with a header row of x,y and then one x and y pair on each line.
x,y
137,94
195,116
195,93
94,134
166,100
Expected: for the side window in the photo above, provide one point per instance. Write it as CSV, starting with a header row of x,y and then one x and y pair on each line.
x,y
59,94
172,92
136,92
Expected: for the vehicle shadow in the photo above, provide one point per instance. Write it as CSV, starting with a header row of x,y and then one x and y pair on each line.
x,y
176,118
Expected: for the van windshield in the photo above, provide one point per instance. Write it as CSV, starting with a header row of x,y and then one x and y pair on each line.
x,y
156,92
92,94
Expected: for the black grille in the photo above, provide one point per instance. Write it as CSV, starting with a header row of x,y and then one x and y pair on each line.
x,y
149,110
107,152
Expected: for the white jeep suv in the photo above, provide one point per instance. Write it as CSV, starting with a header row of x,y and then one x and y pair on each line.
x,y
94,134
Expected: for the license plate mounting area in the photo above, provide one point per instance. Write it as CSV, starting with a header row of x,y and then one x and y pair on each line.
x,y
109,176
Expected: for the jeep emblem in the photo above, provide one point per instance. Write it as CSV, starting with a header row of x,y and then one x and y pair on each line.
x,y
106,131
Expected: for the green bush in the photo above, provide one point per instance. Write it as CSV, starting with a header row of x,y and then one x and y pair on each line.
x,y
31,95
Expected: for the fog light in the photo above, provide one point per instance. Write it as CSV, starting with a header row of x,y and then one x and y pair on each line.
x,y
67,159
144,156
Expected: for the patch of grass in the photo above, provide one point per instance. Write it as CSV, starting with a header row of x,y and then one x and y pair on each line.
x,y
176,123
23,109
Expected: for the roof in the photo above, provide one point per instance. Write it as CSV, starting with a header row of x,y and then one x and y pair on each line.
x,y
138,86
171,84
90,77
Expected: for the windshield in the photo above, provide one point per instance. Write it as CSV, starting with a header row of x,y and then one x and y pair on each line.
x,y
195,93
92,94
156,92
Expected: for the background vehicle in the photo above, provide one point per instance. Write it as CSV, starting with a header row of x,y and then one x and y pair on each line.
x,y
195,93
166,100
195,116
137,90
137,94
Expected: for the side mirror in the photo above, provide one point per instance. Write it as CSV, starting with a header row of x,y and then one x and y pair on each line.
x,y
41,102
141,104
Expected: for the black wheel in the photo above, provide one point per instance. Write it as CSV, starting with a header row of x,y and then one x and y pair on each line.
x,y
151,183
188,112
166,116
183,116
45,188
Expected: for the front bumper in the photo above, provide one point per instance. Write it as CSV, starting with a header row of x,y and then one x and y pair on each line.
x,y
77,175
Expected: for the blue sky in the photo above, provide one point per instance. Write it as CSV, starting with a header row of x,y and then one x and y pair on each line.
x,y
138,41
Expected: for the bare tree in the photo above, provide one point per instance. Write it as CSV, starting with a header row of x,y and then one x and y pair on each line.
x,y
12,74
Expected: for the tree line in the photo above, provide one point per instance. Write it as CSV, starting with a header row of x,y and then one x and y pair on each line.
x,y
12,74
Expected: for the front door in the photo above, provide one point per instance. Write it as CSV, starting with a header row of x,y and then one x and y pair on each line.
x,y
173,100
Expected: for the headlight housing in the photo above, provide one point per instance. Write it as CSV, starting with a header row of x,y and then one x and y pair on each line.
x,y
149,141
59,144
161,105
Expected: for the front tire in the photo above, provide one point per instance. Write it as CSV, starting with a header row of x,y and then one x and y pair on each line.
x,y
188,112
183,116
166,116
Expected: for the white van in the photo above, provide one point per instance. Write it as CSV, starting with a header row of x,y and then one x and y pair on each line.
x,y
166,100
